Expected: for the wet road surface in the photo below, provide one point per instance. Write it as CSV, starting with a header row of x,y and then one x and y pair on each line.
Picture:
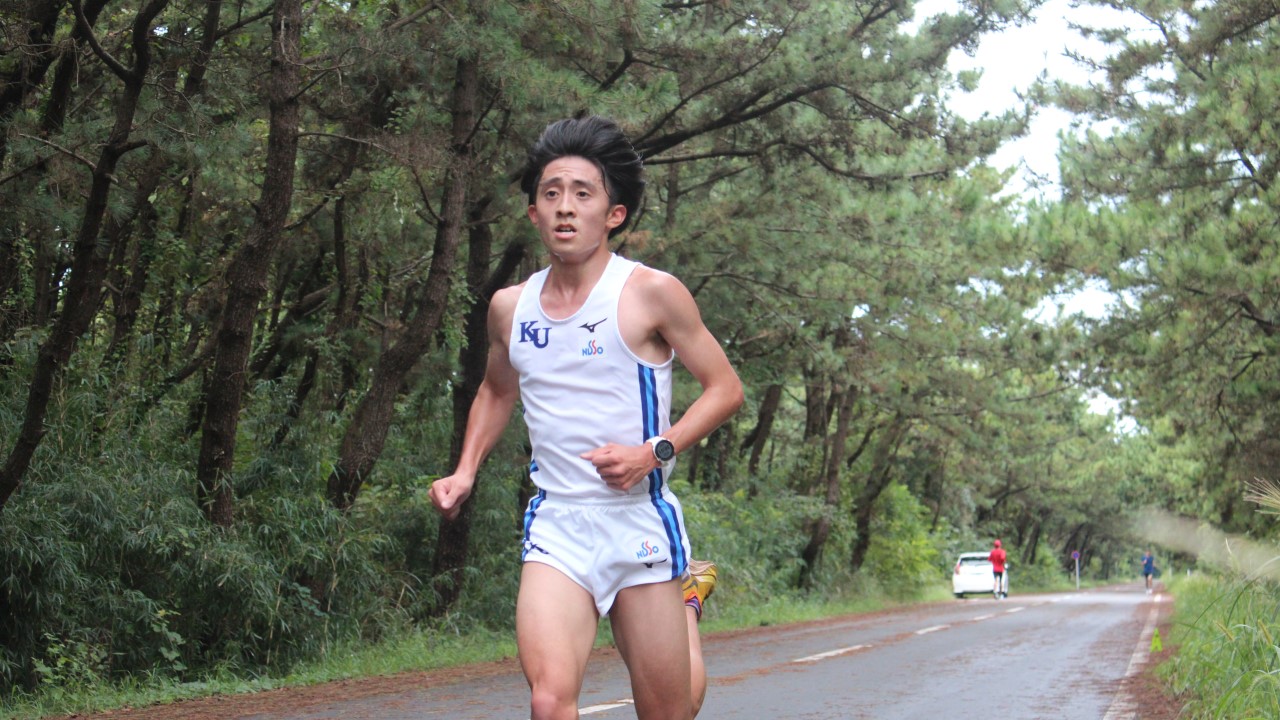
x,y
1059,656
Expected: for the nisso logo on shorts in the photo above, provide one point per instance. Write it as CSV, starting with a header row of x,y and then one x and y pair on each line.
x,y
647,549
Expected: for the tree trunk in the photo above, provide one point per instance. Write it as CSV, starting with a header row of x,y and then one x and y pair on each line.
x,y
343,318
713,459
821,529
1085,548
131,264
877,480
38,53
365,436
1072,545
246,278
453,539
816,417
19,83
454,536
89,258
274,359
1033,545
692,460
937,489
130,269
764,425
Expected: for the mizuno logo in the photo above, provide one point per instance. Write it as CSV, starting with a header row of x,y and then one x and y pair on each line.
x,y
591,327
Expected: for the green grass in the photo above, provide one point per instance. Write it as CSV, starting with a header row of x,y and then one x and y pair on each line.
x,y
416,650
1227,632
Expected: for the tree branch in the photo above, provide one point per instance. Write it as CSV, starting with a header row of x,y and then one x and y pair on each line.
x,y
247,21
1252,312
411,17
83,24
69,153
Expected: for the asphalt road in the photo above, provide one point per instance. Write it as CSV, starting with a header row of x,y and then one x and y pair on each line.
x,y
1059,656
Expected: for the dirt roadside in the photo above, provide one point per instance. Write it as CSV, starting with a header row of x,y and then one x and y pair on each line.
x,y
1153,700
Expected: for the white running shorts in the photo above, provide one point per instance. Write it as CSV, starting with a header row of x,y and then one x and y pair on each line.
x,y
605,547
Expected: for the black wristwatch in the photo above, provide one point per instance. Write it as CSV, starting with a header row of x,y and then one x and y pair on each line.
x,y
663,450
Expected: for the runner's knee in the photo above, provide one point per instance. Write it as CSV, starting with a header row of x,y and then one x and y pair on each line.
x,y
548,704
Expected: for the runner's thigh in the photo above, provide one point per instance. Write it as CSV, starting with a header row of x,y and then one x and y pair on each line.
x,y
652,634
556,623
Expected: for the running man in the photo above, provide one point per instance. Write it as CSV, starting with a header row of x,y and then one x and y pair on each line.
x,y
997,558
1149,570
587,346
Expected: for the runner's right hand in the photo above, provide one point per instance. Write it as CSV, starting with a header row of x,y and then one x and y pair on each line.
x,y
448,494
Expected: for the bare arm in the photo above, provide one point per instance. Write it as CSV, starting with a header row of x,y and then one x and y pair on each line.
x,y
490,411
660,316
679,323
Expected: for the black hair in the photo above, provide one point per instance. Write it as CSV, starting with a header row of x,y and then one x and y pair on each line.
x,y
601,142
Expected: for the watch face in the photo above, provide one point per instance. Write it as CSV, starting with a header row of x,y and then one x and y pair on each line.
x,y
664,450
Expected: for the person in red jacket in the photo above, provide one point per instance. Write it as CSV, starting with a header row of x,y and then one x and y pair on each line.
x,y
997,558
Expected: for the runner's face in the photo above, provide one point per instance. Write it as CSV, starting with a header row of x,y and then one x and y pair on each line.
x,y
573,212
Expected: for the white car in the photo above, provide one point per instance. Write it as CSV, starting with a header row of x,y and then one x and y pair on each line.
x,y
972,574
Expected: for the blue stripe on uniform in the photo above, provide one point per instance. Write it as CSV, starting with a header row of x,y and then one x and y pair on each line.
x,y
529,515
650,425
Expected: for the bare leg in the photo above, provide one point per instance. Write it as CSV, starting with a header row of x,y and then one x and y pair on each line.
x,y
556,623
651,629
697,668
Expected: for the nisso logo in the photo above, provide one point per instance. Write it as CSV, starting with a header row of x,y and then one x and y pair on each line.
x,y
538,336
592,348
648,549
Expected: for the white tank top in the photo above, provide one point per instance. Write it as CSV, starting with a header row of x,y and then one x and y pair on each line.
x,y
582,387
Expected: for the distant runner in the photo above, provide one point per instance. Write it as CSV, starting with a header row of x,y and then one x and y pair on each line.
x,y
1148,569
997,558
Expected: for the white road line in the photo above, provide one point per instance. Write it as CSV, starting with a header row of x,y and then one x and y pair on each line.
x,y
935,628
983,617
593,709
1014,610
830,654
1123,707
609,706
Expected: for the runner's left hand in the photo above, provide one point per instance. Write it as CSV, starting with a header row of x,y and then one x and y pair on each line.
x,y
622,466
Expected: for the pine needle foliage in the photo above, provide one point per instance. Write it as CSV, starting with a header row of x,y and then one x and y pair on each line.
x,y
807,182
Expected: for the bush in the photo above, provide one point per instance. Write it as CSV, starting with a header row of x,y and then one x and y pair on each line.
x,y
756,543
903,556
113,571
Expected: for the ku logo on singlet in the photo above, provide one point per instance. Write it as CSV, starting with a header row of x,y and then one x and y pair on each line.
x,y
536,335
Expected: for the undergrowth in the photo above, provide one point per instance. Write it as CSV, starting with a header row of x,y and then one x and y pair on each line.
x,y
1228,636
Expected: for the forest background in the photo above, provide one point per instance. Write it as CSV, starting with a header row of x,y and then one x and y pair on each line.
x,y
246,248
